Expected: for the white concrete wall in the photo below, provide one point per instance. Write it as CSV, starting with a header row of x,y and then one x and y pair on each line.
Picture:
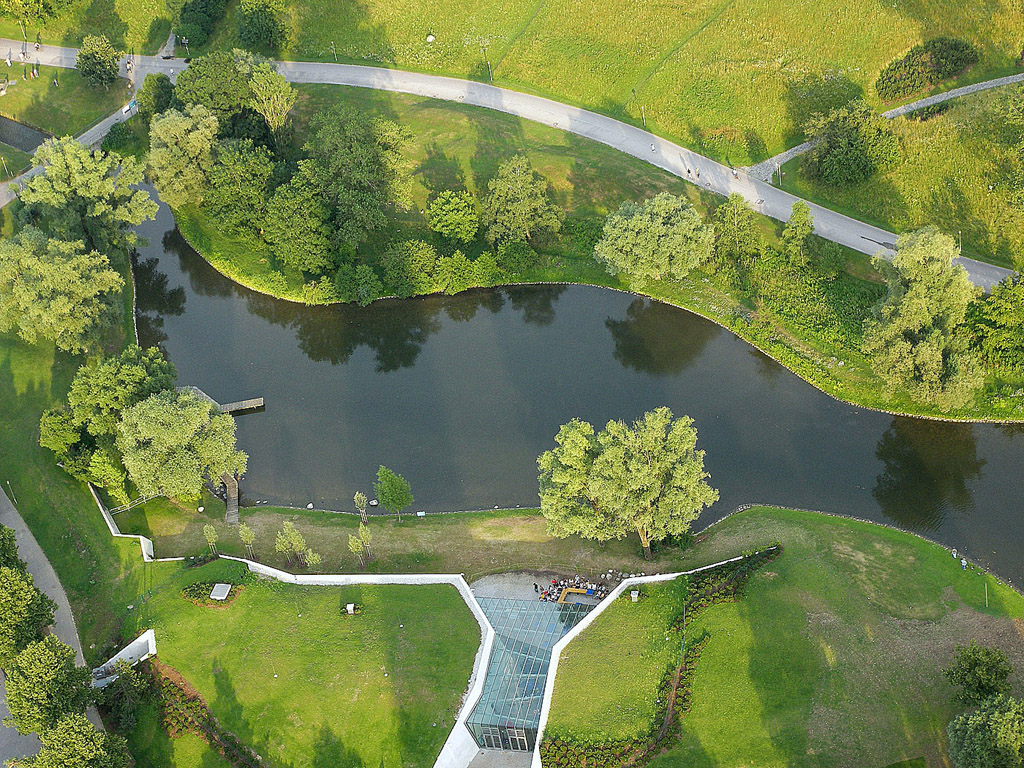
x,y
556,651
139,649
145,544
460,747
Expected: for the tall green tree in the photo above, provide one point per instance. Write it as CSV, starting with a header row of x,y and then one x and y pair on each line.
x,y
9,550
261,23
453,215
997,322
297,222
55,290
172,441
393,490
647,478
366,171
737,238
44,685
25,613
218,81
663,237
97,60
992,736
517,206
915,337
73,741
85,195
155,96
851,143
181,154
272,96
239,180
794,235
979,672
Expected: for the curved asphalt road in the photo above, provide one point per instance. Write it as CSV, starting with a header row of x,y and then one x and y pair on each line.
x,y
662,153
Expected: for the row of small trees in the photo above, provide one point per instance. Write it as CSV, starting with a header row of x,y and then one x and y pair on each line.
x,y
46,692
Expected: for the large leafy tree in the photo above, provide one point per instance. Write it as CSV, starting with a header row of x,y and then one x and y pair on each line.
x,y
272,96
155,96
261,23
453,215
661,237
366,170
9,550
979,672
181,153
737,239
517,206
172,441
25,613
218,81
239,180
646,478
915,337
997,322
72,741
851,143
54,289
297,222
88,196
393,490
992,736
44,685
794,235
97,60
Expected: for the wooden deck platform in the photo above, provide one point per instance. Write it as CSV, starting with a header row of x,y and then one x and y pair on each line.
x,y
239,405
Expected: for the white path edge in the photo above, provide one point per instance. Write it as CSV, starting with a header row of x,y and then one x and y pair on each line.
x,y
684,163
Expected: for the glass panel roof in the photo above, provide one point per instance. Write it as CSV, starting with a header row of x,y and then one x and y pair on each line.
x,y
525,632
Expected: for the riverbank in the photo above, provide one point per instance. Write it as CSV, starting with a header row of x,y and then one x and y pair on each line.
x,y
834,650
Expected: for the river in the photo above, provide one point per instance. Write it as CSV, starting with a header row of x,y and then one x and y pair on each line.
x,y
460,394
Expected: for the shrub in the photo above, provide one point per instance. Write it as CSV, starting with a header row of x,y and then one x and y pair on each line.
x,y
198,18
199,594
261,24
938,59
453,215
119,137
853,143
97,61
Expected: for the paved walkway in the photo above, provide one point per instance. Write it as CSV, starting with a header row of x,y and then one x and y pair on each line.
x,y
682,162
766,168
13,744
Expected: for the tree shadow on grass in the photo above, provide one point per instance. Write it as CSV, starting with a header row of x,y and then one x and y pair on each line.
x,y
814,94
497,139
441,172
102,19
330,752
949,207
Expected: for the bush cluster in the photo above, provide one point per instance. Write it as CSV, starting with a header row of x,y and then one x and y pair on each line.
x,y
925,65
199,594
197,20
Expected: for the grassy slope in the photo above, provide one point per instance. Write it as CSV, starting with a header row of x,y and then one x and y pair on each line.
x,y
15,160
726,76
68,109
282,668
458,146
141,26
833,657
952,173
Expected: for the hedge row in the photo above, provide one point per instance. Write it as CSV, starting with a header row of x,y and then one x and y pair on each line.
x,y
925,65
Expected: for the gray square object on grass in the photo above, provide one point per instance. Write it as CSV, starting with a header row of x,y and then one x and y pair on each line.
x,y
220,591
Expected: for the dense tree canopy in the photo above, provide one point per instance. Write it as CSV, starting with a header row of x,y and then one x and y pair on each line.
x,y
851,144
393,491
663,237
44,685
219,81
646,478
88,196
992,736
54,290
297,223
997,322
737,239
181,153
33,10
794,235
155,96
915,337
25,613
97,60
979,672
453,215
261,23
172,441
239,181
272,96
517,206
72,741
9,550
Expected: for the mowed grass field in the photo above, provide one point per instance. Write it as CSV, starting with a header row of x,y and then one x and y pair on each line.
x,y
733,78
286,672
14,162
66,109
954,172
833,657
141,26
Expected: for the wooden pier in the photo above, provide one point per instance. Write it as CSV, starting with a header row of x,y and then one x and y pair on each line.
x,y
252,404
231,500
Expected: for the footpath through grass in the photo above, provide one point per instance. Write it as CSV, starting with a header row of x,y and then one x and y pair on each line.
x,y
283,669
733,78
832,657
67,109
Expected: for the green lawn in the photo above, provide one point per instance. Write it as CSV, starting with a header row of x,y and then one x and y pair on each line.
x,y
14,162
953,173
734,78
283,670
141,26
833,656
69,108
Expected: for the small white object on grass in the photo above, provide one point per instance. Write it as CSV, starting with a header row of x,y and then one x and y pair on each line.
x,y
430,38
202,509
310,505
